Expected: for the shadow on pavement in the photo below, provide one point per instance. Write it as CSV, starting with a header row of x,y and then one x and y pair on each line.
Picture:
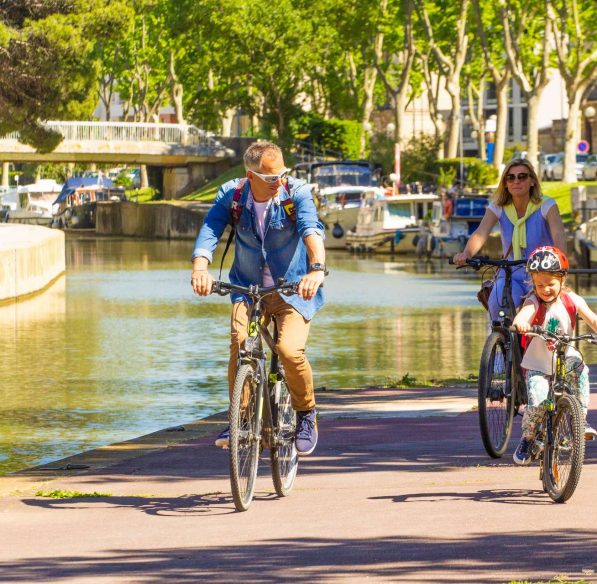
x,y
506,496
482,557
185,505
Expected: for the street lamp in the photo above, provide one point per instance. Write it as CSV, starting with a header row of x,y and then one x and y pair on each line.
x,y
589,115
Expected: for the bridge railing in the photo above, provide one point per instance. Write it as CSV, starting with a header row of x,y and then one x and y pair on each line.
x,y
183,134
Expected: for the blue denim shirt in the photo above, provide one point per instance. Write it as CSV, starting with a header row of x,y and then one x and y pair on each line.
x,y
282,247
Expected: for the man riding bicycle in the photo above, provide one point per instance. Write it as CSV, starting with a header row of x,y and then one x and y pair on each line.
x,y
278,235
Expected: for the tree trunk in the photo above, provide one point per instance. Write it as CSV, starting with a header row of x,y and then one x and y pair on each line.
x,y
533,101
144,179
454,124
227,121
501,125
368,87
574,98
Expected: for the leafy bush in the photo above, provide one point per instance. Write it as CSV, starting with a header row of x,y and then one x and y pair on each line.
x,y
417,159
341,136
143,195
477,173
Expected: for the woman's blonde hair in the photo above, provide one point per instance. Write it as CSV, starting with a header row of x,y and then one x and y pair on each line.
x,y
502,195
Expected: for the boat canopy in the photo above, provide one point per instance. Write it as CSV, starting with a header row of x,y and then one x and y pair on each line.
x,y
76,182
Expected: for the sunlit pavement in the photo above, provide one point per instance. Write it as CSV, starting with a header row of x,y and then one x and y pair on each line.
x,y
399,489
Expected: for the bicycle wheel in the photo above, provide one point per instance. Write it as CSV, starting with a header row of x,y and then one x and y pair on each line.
x,y
284,456
244,442
565,455
496,407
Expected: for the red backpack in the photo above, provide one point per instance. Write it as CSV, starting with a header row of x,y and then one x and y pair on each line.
x,y
542,311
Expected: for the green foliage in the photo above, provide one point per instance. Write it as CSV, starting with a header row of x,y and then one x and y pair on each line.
x,y
325,135
208,192
417,160
143,195
123,180
63,494
477,172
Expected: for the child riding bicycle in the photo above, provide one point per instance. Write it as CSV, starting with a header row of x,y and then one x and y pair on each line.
x,y
554,308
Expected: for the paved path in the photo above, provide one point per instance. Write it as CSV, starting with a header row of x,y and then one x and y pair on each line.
x,y
392,495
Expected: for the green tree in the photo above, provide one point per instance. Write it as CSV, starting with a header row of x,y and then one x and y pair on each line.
x,y
528,41
490,33
575,37
48,65
440,20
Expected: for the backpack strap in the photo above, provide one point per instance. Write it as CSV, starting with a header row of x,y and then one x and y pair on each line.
x,y
570,308
542,311
236,210
288,203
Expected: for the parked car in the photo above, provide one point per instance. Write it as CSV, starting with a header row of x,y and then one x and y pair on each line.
x,y
545,160
589,170
557,167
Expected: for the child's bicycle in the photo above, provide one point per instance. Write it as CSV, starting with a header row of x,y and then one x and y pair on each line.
x,y
560,440
501,389
261,414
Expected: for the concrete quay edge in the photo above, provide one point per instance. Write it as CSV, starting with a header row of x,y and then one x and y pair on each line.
x,y
31,257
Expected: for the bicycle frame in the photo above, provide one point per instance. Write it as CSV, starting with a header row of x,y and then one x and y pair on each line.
x,y
558,386
514,375
253,352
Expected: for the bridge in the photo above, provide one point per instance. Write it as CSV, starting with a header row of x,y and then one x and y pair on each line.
x,y
187,155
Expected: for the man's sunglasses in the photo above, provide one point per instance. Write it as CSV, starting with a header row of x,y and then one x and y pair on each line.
x,y
272,178
519,176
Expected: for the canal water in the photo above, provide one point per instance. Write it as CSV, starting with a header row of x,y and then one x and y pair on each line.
x,y
120,347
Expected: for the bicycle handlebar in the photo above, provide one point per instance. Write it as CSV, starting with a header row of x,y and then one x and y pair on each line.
x,y
255,291
546,335
479,261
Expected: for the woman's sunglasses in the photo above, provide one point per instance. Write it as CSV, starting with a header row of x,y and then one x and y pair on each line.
x,y
519,176
272,178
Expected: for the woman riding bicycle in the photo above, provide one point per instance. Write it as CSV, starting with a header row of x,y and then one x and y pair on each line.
x,y
527,221
553,308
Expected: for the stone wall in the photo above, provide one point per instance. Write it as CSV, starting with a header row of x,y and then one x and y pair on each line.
x,y
30,258
161,221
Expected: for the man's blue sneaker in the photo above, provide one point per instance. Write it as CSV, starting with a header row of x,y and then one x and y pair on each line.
x,y
523,452
223,440
306,432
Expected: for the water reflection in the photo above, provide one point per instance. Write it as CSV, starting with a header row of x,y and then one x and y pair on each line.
x,y
120,347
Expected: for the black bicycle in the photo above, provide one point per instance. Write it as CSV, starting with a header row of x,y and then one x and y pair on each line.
x,y
502,388
261,414
560,440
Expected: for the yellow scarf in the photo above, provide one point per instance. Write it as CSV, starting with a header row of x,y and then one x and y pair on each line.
x,y
519,234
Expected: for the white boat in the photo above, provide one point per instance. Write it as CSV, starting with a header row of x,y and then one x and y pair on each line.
x,y
32,203
391,224
585,244
453,232
339,187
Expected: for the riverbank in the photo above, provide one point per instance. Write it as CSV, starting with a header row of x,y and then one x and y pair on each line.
x,y
394,491
31,258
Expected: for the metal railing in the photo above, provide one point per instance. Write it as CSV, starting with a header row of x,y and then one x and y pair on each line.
x,y
182,134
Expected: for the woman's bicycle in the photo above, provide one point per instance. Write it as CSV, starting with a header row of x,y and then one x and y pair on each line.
x,y
560,440
261,414
502,388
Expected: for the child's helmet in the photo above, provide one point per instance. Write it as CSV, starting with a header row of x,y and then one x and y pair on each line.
x,y
548,259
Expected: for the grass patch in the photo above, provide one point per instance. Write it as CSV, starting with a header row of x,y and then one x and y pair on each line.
x,y
408,380
208,191
60,494
560,192
142,195
556,581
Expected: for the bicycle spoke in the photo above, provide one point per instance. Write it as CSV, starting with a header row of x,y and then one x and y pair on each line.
x,y
495,405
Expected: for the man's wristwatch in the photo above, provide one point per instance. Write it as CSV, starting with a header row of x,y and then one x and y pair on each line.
x,y
317,267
